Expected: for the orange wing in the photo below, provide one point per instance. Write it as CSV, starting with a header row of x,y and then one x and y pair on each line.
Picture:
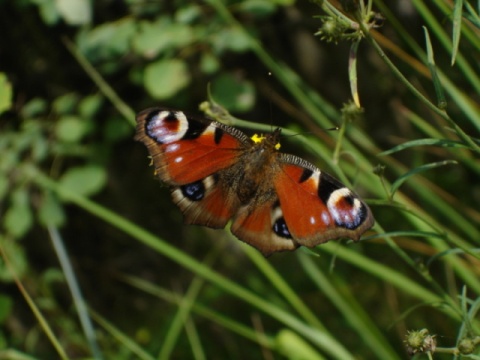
x,y
188,153
316,207
186,149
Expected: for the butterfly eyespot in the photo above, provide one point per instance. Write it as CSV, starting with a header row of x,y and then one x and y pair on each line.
x,y
347,211
280,228
194,191
166,127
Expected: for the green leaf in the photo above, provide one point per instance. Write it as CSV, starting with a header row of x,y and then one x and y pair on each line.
x,y
34,107
209,63
165,78
51,211
18,217
233,39
5,93
84,181
188,13
233,93
90,105
39,149
16,257
75,12
70,129
158,37
65,104
111,39
48,11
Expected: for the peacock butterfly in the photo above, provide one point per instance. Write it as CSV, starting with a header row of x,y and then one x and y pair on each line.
x,y
276,201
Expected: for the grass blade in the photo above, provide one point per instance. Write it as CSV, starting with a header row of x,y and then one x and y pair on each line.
x,y
457,27
417,170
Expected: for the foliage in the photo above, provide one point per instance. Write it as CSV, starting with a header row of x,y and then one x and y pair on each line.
x,y
71,173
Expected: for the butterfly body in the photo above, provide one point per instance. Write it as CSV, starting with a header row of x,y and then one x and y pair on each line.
x,y
276,201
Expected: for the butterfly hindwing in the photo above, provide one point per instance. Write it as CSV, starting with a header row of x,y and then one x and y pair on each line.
x,y
316,207
262,226
205,202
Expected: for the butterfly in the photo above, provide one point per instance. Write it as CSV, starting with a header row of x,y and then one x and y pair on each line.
x,y
276,201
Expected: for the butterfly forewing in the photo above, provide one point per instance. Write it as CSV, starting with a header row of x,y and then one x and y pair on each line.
x,y
186,149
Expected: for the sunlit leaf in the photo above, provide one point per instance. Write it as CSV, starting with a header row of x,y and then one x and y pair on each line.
x,y
85,181
109,39
75,12
209,63
188,13
159,36
18,217
233,39
70,129
165,78
48,11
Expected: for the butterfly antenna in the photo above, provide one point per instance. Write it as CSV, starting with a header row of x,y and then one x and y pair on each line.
x,y
270,104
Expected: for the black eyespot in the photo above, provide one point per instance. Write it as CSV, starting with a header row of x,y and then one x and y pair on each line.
x,y
280,228
358,220
194,191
